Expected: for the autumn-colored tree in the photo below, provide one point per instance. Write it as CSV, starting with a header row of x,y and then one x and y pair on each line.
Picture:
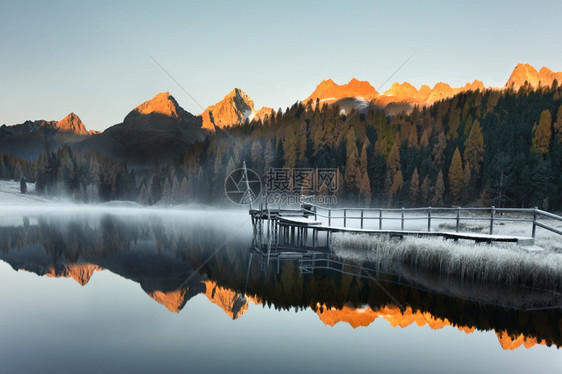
x,y
439,190
474,147
438,151
454,123
456,177
424,141
413,137
543,133
352,176
466,180
393,183
365,189
414,187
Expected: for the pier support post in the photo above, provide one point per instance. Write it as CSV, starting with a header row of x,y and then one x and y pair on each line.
x,y
458,218
428,219
380,219
344,217
534,221
361,219
492,213
402,220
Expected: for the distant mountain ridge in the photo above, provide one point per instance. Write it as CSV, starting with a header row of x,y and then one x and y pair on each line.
x,y
403,96
161,128
27,140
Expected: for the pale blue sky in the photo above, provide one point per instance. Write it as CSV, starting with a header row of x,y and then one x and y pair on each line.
x,y
92,57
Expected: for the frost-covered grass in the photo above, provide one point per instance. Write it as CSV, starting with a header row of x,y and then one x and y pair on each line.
x,y
505,263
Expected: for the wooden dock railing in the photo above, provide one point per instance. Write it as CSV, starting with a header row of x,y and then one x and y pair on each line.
x,y
430,214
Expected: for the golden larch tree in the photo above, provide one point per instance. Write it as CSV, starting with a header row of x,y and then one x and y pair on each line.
x,y
543,133
456,177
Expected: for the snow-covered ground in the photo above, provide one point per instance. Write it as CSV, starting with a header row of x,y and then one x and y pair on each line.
x,y
10,195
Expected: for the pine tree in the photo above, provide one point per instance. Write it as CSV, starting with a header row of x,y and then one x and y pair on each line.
x,y
456,178
439,190
413,137
23,185
425,190
474,149
17,172
439,152
365,189
184,189
268,155
414,187
143,195
558,125
166,192
466,180
424,141
543,134
454,123
257,157
393,183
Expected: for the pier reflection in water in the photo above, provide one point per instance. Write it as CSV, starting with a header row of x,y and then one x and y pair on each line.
x,y
179,260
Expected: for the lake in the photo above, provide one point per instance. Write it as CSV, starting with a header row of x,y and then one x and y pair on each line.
x,y
112,289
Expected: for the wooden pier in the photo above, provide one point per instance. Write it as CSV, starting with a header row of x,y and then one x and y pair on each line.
x,y
303,226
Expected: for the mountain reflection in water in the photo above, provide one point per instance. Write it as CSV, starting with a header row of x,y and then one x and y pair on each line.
x,y
174,258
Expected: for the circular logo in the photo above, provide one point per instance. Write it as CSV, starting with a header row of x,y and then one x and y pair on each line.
x,y
242,186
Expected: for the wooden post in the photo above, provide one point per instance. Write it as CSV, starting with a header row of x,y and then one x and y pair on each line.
x,y
315,213
344,217
361,218
458,218
329,217
402,220
492,211
429,219
380,219
534,221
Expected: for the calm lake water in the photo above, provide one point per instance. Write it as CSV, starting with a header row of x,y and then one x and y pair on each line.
x,y
138,290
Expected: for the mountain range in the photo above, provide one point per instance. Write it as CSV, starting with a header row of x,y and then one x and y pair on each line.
x,y
161,128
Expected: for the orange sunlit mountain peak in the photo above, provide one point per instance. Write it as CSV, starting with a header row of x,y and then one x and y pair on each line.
x,y
509,342
328,91
357,317
233,304
527,73
174,301
163,103
72,123
235,108
81,273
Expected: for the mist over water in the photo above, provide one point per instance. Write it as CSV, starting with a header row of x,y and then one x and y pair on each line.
x,y
119,287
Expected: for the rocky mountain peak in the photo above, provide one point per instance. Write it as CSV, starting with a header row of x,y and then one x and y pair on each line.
x,y
234,109
329,91
72,124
